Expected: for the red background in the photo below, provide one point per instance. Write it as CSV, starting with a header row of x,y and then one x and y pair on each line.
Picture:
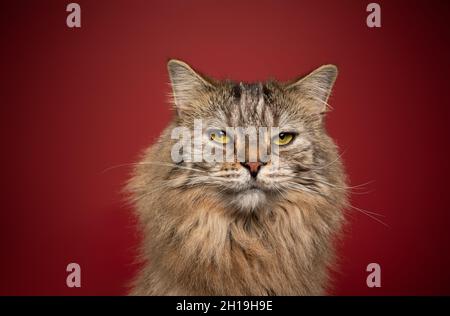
x,y
75,102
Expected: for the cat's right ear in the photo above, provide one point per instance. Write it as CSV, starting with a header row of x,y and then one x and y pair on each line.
x,y
187,85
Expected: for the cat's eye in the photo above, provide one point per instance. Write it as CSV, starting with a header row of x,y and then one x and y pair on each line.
x,y
283,139
219,137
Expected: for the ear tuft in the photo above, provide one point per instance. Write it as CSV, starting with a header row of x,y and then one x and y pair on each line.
x,y
186,84
316,86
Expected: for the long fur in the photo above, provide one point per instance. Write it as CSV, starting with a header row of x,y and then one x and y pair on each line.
x,y
195,242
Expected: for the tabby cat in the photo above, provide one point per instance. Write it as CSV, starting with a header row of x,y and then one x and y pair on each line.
x,y
241,227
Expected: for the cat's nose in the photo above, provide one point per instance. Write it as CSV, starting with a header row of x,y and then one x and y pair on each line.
x,y
253,167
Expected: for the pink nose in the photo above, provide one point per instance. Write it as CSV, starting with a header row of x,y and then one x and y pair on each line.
x,y
253,167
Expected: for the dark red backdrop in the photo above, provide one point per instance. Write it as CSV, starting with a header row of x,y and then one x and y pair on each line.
x,y
77,101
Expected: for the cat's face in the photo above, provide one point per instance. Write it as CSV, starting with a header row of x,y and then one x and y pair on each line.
x,y
269,134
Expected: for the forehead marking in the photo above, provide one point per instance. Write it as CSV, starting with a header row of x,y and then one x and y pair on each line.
x,y
252,104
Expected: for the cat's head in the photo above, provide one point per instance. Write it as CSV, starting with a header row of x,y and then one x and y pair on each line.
x,y
287,120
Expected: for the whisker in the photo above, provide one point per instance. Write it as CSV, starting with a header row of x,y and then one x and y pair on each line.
x,y
299,187
337,186
153,163
368,213
332,162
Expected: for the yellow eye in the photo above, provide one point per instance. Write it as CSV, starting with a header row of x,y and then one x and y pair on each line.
x,y
219,137
283,139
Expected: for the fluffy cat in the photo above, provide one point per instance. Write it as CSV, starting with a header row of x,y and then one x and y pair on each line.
x,y
242,228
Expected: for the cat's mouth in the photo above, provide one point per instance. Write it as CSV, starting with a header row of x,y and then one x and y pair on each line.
x,y
250,192
254,187
253,190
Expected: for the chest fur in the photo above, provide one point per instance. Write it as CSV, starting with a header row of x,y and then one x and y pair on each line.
x,y
284,253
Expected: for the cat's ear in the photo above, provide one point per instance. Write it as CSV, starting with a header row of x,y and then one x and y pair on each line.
x,y
315,88
187,85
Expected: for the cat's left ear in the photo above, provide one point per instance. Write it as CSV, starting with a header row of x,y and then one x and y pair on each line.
x,y
314,89
187,85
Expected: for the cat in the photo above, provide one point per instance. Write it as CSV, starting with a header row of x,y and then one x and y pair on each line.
x,y
242,227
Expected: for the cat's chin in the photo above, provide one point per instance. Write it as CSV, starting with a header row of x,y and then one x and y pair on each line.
x,y
249,199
